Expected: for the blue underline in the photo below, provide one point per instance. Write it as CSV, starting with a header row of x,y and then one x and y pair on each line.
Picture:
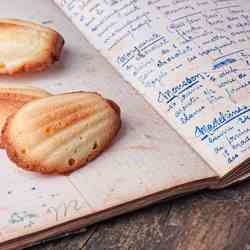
x,y
194,83
205,137
190,86
142,49
124,64
230,54
246,111
150,44
171,99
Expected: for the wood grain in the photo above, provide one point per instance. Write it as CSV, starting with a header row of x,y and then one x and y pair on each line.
x,y
205,220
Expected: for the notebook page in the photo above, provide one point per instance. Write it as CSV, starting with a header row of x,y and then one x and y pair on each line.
x,y
188,58
134,167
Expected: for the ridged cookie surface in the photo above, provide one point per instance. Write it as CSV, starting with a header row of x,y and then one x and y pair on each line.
x,y
26,46
13,97
61,133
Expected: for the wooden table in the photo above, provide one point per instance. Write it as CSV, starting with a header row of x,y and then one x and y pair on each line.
x,y
206,220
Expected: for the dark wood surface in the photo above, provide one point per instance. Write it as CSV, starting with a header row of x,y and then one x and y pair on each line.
x,y
211,220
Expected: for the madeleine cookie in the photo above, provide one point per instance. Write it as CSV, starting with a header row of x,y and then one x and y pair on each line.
x,y
61,133
13,97
26,46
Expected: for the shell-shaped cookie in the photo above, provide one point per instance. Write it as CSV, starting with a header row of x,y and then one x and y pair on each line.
x,y
61,133
13,97
26,46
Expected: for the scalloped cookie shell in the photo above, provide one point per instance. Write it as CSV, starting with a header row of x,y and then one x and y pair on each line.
x,y
59,134
27,46
13,97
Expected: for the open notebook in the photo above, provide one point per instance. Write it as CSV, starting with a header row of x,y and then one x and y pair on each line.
x,y
185,109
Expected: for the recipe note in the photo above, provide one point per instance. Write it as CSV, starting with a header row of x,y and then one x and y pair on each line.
x,y
190,59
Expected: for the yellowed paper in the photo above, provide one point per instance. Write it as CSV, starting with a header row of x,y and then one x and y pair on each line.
x,y
147,156
190,59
